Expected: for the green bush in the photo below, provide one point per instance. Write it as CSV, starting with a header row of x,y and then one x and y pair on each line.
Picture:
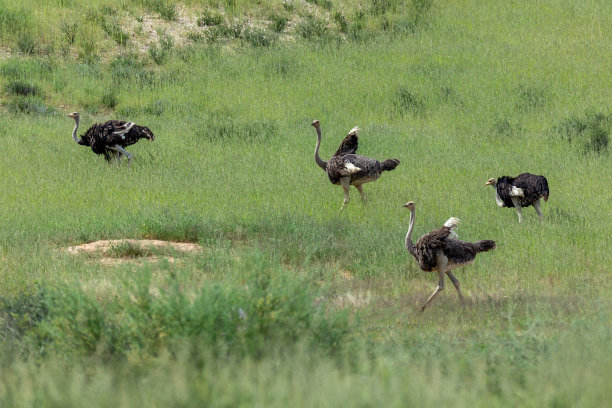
x,y
69,29
109,99
311,27
159,52
22,88
258,37
408,101
29,105
166,9
26,43
112,28
590,132
126,249
210,18
278,23
272,308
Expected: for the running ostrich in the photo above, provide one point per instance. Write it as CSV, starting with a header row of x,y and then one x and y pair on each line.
x,y
521,191
346,168
442,251
111,137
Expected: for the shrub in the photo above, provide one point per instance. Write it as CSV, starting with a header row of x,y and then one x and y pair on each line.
x,y
311,27
326,4
382,6
408,101
530,97
258,37
159,52
272,309
126,249
23,312
26,43
278,23
155,108
234,30
29,105
112,28
341,21
16,87
109,99
590,132
69,30
18,68
210,18
166,10
503,127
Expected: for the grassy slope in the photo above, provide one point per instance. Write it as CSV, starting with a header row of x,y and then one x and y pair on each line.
x,y
232,168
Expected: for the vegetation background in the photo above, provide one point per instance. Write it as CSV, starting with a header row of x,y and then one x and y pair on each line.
x,y
290,302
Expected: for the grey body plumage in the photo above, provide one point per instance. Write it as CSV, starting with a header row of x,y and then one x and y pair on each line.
x,y
441,251
346,168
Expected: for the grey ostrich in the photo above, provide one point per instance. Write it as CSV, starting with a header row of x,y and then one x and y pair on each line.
x,y
111,137
346,168
521,191
442,251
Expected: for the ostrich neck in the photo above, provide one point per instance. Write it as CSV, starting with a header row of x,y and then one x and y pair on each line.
x,y
74,132
322,164
409,244
498,199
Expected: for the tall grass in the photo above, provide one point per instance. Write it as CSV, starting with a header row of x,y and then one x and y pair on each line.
x,y
292,302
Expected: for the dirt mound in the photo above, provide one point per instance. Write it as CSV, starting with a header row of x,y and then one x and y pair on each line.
x,y
105,246
116,251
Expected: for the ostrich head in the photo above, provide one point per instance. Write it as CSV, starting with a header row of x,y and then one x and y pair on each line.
x,y
409,205
491,181
74,115
315,124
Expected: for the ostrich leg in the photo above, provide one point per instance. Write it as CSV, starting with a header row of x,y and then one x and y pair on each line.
x,y
456,283
439,288
536,205
346,183
359,188
517,205
121,150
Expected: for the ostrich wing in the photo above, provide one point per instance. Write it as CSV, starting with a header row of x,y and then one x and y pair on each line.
x,y
349,144
532,185
428,245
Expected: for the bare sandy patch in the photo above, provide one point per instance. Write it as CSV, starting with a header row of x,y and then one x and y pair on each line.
x,y
104,249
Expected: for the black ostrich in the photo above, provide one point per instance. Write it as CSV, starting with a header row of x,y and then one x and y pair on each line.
x,y
442,251
111,137
522,191
346,168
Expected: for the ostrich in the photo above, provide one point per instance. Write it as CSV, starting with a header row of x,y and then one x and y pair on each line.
x,y
442,251
521,191
111,137
346,168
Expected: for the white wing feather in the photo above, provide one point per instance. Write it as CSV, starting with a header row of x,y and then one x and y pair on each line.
x,y
453,223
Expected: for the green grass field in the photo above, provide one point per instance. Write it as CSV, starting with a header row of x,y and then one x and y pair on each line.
x,y
290,302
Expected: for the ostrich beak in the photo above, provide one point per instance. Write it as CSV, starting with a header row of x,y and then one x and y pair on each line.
x,y
488,183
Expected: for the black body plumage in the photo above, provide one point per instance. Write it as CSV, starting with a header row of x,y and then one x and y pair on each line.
x,y
458,252
113,133
534,187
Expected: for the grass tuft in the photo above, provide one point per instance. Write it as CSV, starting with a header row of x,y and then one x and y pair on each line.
x,y
16,87
589,132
